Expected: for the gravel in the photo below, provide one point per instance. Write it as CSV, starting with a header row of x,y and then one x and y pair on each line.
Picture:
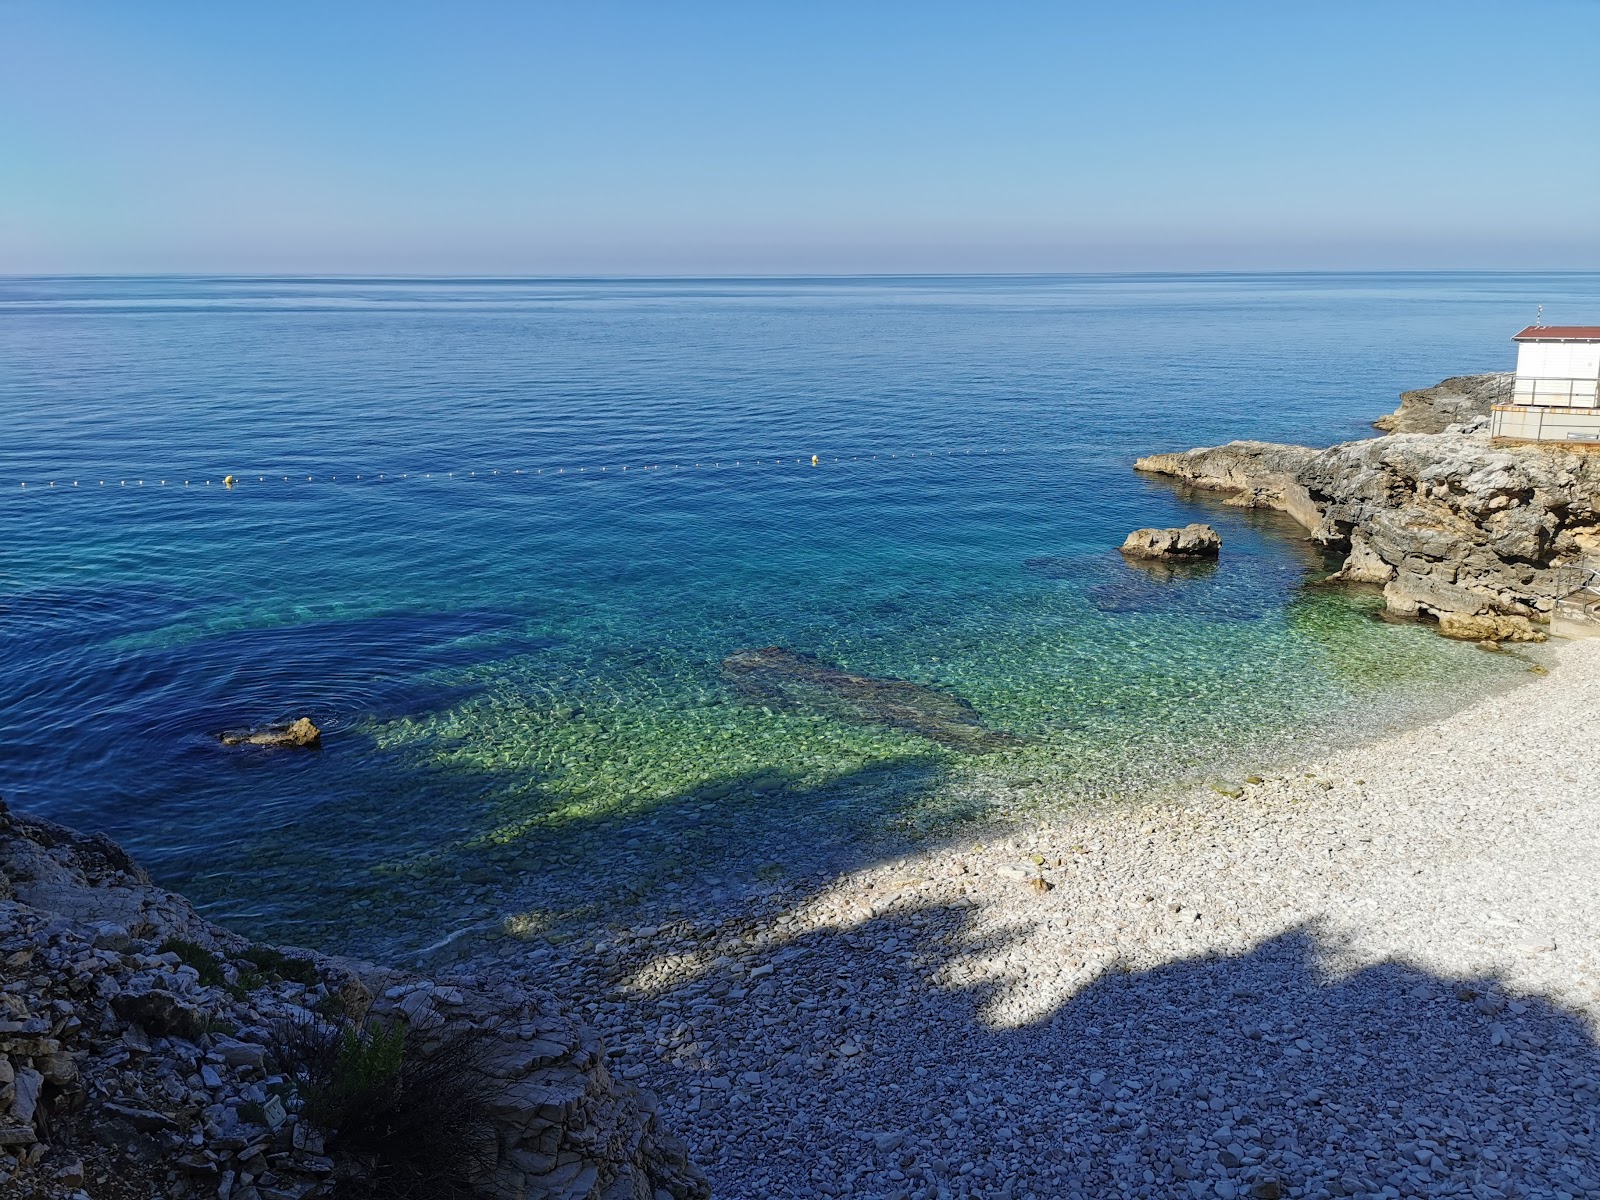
x,y
1371,975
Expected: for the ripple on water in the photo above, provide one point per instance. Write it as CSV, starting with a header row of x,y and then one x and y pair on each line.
x,y
523,677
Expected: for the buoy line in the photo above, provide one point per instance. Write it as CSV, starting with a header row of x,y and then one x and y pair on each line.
x,y
231,482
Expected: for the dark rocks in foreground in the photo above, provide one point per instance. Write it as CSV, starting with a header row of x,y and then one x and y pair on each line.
x,y
1191,541
139,1042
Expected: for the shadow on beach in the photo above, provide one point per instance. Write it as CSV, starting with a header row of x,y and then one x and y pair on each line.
x,y
902,1054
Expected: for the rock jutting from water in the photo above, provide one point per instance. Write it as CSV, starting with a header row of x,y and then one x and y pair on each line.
x,y
1448,524
141,1043
789,679
1191,541
297,734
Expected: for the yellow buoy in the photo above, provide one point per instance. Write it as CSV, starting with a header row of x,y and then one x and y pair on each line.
x,y
228,481
814,460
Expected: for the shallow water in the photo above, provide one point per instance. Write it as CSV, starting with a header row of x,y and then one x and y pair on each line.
x,y
520,674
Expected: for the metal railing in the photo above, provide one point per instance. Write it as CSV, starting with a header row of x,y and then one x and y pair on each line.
x,y
1556,393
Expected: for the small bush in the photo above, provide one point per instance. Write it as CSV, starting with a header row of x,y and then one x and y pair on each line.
x,y
197,956
274,963
408,1107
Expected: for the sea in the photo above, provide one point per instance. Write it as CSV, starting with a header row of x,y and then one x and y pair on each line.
x,y
498,539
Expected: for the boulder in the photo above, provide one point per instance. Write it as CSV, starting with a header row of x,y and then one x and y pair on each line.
x,y
1489,627
161,1014
1192,541
301,734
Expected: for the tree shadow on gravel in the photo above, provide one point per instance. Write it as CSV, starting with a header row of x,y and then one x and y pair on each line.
x,y
895,1051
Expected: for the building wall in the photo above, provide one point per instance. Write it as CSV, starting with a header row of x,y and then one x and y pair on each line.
x,y
1541,423
1558,373
1558,360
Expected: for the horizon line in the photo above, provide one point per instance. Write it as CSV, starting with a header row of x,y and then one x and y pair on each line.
x,y
694,275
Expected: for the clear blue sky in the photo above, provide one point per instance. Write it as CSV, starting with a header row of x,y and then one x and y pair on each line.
x,y
756,136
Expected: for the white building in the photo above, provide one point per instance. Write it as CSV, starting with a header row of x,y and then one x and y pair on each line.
x,y
1556,397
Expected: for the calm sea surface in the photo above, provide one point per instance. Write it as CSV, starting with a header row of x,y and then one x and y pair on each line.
x,y
520,675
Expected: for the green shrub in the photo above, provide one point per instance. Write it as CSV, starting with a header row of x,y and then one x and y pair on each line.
x,y
197,956
275,964
406,1109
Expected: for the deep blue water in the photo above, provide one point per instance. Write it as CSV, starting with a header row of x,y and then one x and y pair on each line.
x,y
514,644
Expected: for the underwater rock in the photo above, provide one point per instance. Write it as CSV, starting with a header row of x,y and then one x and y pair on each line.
x,y
1170,570
1192,541
299,734
1054,568
788,679
1190,586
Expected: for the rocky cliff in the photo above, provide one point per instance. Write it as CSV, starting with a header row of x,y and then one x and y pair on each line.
x,y
1484,538
142,1053
1453,401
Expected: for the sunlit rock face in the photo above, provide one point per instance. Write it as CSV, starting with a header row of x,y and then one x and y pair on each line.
x,y
1445,522
1191,541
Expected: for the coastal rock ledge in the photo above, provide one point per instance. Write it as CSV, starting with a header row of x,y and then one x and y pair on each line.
x,y
142,1047
1450,525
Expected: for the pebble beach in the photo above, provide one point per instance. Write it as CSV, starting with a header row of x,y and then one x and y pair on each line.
x,y
1369,975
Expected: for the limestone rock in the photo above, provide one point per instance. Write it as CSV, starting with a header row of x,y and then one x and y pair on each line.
x,y
119,1040
1478,627
1458,400
1446,522
1258,474
775,676
1192,541
299,734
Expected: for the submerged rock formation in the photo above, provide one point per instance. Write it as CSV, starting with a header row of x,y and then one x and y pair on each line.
x,y
1459,400
1192,541
140,1043
1445,522
788,679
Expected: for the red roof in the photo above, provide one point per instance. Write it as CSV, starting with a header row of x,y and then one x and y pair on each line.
x,y
1559,333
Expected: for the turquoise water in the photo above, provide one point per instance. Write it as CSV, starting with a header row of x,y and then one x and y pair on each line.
x,y
514,645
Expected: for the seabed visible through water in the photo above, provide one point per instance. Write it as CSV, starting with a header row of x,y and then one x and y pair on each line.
x,y
536,719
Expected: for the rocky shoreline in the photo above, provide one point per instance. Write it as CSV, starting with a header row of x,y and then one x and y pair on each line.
x,y
142,1048
1485,539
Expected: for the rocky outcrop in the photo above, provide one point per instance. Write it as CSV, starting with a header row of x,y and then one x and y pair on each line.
x,y
298,734
1488,627
1456,401
1445,522
1191,541
139,1043
1253,474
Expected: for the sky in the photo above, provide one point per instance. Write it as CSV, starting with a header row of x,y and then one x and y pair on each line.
x,y
760,136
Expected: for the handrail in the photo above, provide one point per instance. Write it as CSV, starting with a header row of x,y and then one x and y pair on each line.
x,y
1556,391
